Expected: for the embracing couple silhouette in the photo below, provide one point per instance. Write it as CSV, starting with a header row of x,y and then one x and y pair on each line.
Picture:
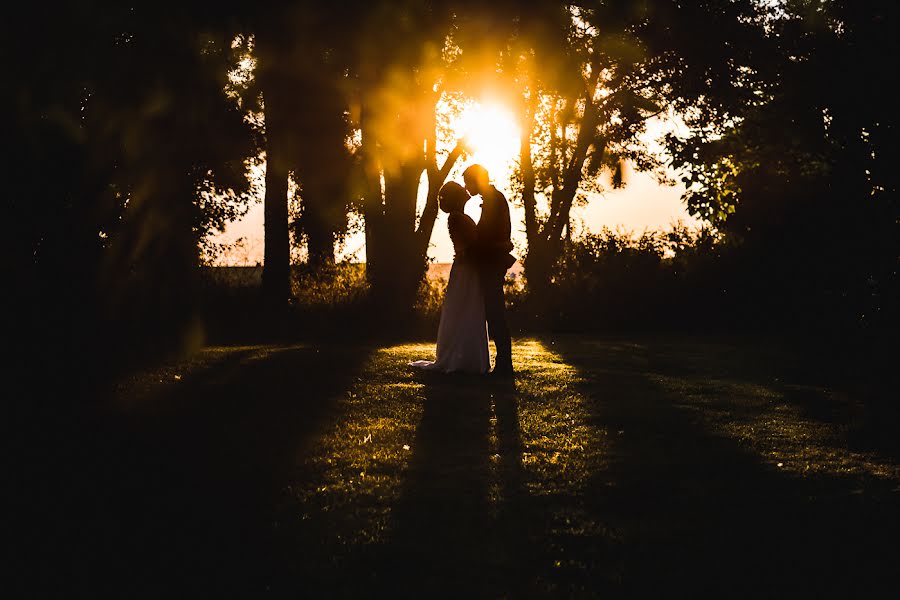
x,y
473,305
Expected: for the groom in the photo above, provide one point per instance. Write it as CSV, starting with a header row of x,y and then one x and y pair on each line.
x,y
492,254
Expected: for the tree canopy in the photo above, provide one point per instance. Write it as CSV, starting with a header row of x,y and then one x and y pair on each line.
x,y
134,139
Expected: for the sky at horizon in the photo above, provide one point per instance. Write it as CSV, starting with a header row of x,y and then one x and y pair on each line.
x,y
642,205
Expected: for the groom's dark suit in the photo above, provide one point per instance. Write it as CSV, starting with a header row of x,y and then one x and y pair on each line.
x,y
493,256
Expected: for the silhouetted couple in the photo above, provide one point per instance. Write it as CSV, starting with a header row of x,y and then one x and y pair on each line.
x,y
474,296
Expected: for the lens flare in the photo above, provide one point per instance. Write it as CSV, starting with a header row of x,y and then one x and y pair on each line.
x,y
491,135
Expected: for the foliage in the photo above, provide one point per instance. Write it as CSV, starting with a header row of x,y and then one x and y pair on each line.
x,y
614,280
801,178
586,106
430,299
328,302
702,280
329,287
121,125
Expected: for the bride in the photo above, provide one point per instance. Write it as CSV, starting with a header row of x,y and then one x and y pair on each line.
x,y
462,341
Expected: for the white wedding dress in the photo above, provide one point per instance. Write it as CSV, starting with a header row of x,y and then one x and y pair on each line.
x,y
462,341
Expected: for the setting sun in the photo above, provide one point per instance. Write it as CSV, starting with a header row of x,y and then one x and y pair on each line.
x,y
492,135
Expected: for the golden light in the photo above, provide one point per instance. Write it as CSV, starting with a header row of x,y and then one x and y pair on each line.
x,y
492,136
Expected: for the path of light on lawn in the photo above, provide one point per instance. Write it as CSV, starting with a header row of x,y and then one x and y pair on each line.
x,y
356,471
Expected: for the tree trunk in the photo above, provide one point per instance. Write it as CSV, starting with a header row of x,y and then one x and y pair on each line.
x,y
319,244
323,163
396,247
546,241
276,266
373,197
397,279
323,214
276,285
537,266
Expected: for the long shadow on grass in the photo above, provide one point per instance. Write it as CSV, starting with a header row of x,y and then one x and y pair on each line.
x,y
452,532
828,384
182,499
696,511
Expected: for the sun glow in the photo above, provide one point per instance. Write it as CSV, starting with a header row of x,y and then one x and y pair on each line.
x,y
491,135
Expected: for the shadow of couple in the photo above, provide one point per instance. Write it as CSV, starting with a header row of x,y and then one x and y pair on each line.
x,y
456,526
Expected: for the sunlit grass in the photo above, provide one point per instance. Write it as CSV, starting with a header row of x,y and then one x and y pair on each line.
x,y
600,454
563,447
763,419
371,443
351,481
358,465
559,448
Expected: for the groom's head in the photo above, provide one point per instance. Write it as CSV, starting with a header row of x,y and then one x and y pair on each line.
x,y
476,179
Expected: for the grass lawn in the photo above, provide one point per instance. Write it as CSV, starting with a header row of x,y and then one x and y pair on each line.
x,y
609,467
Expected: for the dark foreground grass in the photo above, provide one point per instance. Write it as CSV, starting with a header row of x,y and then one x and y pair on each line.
x,y
608,468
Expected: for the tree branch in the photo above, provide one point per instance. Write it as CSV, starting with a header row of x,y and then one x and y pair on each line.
x,y
436,178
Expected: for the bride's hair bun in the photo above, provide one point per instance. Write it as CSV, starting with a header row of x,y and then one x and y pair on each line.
x,y
452,197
